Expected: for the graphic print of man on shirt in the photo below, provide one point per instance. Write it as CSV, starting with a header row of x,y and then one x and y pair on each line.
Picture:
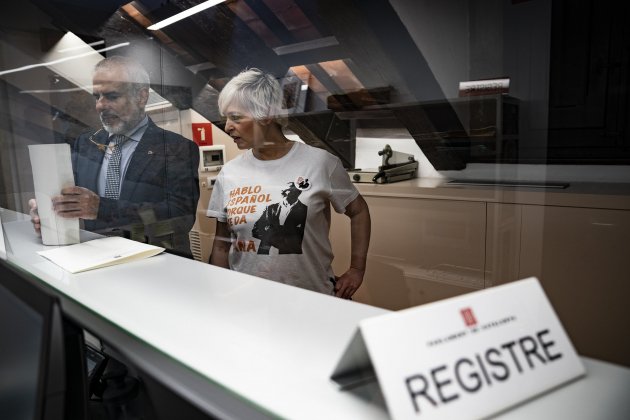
x,y
282,224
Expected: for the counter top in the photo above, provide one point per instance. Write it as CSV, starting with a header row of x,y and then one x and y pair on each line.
x,y
273,346
588,195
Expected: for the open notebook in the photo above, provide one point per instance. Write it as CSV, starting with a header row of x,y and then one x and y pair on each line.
x,y
99,253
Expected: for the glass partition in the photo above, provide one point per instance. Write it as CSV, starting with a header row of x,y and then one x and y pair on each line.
x,y
504,122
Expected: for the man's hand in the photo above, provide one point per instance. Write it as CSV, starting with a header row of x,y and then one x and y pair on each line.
x,y
37,225
348,283
76,202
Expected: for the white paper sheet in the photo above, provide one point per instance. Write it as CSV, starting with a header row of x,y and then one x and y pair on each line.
x,y
52,171
99,253
3,248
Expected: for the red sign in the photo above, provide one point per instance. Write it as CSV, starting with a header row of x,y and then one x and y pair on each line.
x,y
469,317
202,133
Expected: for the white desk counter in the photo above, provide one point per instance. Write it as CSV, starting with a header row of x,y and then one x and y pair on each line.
x,y
271,345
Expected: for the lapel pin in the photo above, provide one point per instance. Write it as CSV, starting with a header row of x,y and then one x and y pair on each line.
x,y
150,152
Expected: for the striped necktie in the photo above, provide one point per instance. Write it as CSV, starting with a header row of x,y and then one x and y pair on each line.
x,y
112,180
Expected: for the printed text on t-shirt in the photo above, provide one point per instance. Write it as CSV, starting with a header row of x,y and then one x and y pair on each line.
x,y
243,200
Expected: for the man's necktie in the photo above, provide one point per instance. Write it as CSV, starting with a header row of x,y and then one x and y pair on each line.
x,y
112,180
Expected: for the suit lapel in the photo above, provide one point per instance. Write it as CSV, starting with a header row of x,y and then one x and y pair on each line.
x,y
150,145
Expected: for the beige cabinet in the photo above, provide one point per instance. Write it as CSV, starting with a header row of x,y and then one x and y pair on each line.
x,y
582,258
503,243
421,250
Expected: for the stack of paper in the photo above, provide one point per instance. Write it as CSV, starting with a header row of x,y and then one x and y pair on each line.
x,y
52,171
99,253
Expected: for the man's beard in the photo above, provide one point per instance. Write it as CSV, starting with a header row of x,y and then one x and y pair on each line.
x,y
120,126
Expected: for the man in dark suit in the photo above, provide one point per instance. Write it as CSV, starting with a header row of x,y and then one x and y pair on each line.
x,y
132,177
282,224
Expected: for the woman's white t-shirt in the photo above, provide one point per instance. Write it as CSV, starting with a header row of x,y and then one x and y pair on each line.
x,y
278,212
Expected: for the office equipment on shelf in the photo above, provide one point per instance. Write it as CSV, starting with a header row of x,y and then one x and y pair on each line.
x,y
395,166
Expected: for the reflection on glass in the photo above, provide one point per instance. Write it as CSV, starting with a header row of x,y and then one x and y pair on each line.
x,y
357,76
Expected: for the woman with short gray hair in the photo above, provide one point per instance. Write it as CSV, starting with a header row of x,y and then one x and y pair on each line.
x,y
272,203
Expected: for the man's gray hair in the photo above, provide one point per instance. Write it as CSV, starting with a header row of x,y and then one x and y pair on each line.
x,y
137,74
256,92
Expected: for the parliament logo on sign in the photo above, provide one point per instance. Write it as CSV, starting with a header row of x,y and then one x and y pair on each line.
x,y
469,317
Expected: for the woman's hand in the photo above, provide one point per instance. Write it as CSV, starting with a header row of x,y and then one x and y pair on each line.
x,y
348,283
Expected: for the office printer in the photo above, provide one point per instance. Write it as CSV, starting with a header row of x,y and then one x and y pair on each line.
x,y
395,166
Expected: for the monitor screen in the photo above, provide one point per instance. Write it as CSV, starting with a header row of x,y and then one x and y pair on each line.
x,y
21,334
32,355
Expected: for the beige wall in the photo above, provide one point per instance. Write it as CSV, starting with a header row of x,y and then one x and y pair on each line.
x,y
202,233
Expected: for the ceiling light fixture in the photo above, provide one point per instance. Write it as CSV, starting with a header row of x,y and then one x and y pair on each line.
x,y
76,89
329,41
80,47
61,60
196,68
183,15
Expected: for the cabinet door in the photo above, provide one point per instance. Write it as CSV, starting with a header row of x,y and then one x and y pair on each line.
x,y
421,250
503,243
582,259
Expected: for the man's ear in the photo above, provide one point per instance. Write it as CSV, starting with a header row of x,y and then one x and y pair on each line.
x,y
143,96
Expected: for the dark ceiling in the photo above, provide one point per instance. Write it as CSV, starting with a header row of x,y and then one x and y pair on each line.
x,y
367,36
354,64
349,56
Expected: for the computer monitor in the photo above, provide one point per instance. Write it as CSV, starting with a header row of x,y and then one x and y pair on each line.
x,y
212,158
33,367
